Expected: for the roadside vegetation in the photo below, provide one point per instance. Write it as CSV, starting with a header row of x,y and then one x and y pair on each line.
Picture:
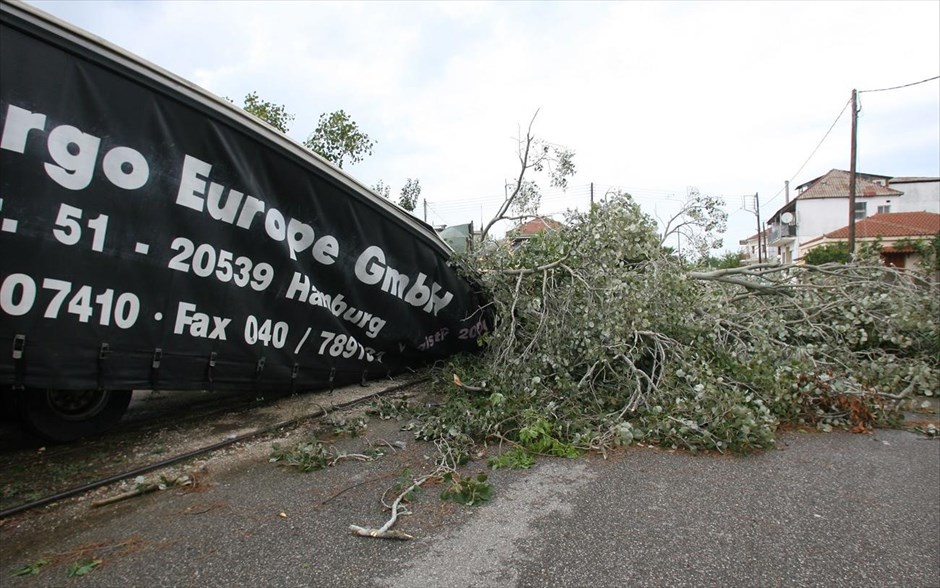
x,y
601,339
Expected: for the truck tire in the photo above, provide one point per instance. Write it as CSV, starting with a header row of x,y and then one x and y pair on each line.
x,y
66,415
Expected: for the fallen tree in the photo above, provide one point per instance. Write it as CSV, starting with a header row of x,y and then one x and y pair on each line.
x,y
602,338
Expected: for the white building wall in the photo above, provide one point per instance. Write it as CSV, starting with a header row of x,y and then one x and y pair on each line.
x,y
818,216
918,196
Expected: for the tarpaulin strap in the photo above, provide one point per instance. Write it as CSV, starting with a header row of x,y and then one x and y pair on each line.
x,y
293,376
103,353
155,366
19,347
332,376
365,374
209,370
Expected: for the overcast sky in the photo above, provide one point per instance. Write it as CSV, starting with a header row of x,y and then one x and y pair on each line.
x,y
653,97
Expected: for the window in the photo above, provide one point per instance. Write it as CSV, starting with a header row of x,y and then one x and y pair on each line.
x,y
860,210
884,209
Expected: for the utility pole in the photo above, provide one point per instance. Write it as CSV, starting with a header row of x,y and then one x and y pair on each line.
x,y
852,174
786,186
760,257
756,211
592,195
425,210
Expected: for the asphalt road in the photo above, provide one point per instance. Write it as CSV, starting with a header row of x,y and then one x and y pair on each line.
x,y
822,510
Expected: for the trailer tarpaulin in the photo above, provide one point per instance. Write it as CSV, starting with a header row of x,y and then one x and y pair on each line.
x,y
153,236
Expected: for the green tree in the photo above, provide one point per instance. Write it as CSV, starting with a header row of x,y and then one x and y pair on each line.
x,y
829,253
275,115
382,189
700,222
337,139
927,248
729,260
409,195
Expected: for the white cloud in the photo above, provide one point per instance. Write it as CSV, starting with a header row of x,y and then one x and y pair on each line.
x,y
655,97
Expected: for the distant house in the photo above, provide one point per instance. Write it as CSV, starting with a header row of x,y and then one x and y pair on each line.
x,y
894,231
527,230
749,252
821,206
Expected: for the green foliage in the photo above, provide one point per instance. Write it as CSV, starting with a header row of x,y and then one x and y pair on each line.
x,y
391,408
83,567
338,139
32,569
828,253
466,490
536,156
556,162
352,427
601,339
307,456
537,437
405,481
729,260
382,189
410,193
698,225
275,115
516,458
928,249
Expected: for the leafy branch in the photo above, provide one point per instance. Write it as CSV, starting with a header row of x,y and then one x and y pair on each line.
x,y
534,155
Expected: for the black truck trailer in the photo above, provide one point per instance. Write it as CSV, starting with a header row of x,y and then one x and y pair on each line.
x,y
155,236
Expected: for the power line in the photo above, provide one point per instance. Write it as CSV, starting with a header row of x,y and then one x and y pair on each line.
x,y
771,199
837,120
823,140
441,218
899,87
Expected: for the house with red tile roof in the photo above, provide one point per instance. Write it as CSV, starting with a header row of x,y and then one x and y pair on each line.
x,y
821,206
893,232
527,230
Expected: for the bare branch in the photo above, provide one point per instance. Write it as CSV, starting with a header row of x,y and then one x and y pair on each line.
x,y
525,147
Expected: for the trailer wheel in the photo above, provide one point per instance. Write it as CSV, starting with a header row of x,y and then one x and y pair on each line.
x,y
66,415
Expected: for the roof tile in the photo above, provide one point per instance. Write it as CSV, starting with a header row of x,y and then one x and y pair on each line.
x,y
536,225
835,184
892,224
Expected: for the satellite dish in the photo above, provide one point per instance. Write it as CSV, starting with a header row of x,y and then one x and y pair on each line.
x,y
786,218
